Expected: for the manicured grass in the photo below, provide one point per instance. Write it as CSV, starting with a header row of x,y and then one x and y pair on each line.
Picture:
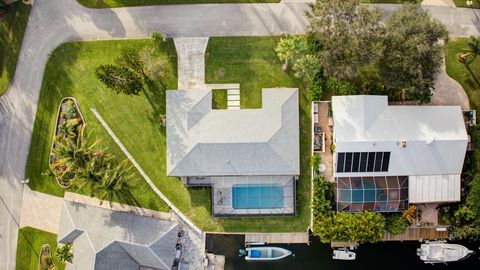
x,y
463,3
125,3
252,62
12,28
467,75
219,99
70,72
29,243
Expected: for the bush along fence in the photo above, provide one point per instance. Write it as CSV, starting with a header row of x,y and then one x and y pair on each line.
x,y
70,125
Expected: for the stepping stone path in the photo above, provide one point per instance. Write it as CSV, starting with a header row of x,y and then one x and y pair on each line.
x,y
233,99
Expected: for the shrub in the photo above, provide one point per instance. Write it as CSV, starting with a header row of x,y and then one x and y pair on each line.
x,y
157,38
316,90
323,193
315,161
410,213
347,227
396,224
341,88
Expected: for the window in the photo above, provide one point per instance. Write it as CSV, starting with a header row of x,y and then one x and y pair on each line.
x,y
363,161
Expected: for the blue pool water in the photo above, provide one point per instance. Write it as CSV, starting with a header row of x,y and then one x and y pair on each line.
x,y
257,196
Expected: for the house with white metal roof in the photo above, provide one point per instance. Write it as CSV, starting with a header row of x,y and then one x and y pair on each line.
x,y
387,156
249,156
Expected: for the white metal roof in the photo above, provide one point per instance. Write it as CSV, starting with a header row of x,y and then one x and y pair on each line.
x,y
435,136
434,188
202,141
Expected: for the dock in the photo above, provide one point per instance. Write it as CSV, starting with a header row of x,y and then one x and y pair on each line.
x,y
418,234
277,238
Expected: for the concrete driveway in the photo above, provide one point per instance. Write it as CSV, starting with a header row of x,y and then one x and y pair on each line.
x,y
52,23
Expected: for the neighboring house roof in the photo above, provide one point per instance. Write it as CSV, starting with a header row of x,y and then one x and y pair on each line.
x,y
435,136
104,239
202,141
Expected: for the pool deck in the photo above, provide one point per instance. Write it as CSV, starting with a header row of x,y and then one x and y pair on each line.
x,y
277,238
222,195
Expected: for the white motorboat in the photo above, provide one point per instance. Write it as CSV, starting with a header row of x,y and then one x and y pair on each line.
x,y
265,253
343,254
441,252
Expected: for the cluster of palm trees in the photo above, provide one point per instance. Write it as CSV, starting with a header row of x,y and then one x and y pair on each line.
x,y
82,165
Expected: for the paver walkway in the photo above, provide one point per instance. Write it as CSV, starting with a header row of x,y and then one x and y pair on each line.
x,y
40,210
52,23
448,91
191,62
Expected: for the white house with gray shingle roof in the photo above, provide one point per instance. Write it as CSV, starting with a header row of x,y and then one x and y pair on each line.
x,y
224,148
104,239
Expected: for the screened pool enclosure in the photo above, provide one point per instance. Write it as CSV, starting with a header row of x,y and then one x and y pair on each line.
x,y
379,194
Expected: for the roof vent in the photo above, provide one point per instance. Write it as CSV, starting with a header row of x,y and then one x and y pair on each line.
x,y
431,140
402,144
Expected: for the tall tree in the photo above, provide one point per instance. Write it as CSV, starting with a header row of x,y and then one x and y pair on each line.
x,y
119,79
130,58
413,53
289,48
348,34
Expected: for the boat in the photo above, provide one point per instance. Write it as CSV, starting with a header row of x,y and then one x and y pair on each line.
x,y
441,252
264,253
343,254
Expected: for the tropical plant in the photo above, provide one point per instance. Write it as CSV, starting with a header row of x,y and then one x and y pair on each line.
x,y
410,213
119,79
341,88
157,38
64,253
306,68
342,226
116,184
396,224
290,48
472,51
72,156
323,192
93,172
48,264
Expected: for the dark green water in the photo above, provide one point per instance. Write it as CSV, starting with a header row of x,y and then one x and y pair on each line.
x,y
317,256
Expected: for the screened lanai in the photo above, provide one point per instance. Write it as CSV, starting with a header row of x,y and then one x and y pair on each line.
x,y
379,194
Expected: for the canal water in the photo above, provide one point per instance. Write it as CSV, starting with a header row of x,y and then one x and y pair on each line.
x,y
317,256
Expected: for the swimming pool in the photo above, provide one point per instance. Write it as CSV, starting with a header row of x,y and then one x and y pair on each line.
x,y
257,196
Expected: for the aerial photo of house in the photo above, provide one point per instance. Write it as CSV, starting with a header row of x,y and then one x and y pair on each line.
x,y
239,134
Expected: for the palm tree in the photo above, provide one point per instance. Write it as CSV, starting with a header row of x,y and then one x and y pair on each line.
x,y
92,173
289,47
73,155
473,49
116,184
306,68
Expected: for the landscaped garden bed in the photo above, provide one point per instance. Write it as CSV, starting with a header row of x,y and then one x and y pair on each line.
x,y
31,251
69,126
45,260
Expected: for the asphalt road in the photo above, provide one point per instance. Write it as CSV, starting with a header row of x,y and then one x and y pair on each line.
x,y
52,23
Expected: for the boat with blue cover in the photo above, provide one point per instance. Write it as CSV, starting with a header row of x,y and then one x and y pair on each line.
x,y
265,253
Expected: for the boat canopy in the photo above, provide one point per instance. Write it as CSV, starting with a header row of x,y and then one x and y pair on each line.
x,y
379,194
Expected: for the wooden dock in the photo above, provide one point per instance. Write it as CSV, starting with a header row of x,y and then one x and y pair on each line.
x,y
277,238
417,234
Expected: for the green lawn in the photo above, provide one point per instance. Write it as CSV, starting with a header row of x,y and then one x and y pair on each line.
x,y
467,75
124,3
29,243
463,3
70,72
12,28
252,62
219,99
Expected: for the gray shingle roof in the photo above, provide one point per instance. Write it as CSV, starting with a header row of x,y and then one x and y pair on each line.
x,y
105,239
203,141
